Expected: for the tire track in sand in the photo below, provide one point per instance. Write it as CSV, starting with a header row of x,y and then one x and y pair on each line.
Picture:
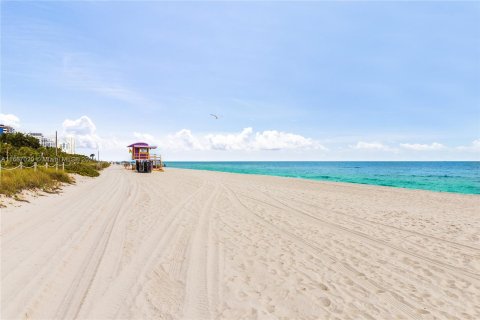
x,y
129,282
364,237
197,305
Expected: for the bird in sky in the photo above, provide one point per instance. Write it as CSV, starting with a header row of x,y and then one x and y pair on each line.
x,y
215,116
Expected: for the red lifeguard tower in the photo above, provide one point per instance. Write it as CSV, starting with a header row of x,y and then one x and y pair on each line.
x,y
144,162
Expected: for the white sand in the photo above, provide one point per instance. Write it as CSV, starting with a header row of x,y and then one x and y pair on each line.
x,y
203,245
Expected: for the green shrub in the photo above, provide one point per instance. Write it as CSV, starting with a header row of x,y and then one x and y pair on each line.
x,y
19,139
61,176
104,165
83,169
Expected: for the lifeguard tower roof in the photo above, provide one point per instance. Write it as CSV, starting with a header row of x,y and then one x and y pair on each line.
x,y
141,145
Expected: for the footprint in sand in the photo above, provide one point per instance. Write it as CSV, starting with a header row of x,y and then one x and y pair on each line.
x,y
423,311
323,287
325,302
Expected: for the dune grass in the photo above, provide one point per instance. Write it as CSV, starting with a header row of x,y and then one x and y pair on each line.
x,y
18,148
83,169
14,181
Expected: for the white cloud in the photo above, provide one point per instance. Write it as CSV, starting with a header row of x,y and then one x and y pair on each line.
x,y
144,137
182,140
9,120
230,141
277,140
81,126
85,133
475,146
83,130
378,146
423,147
209,146
246,140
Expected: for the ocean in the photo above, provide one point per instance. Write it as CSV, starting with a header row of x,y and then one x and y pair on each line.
x,y
458,177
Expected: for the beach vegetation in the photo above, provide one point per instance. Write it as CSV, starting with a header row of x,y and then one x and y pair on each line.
x,y
49,180
25,164
84,169
19,139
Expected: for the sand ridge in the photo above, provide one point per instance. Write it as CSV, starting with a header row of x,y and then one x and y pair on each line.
x,y
189,244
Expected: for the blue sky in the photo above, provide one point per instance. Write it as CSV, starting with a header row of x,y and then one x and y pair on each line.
x,y
290,81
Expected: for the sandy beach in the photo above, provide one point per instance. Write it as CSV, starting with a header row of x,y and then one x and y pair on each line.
x,y
188,244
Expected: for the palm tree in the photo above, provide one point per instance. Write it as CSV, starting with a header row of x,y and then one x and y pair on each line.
x,y
92,156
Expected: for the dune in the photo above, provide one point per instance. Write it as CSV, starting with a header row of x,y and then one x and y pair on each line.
x,y
188,244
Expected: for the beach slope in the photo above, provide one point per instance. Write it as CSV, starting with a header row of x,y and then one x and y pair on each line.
x,y
203,245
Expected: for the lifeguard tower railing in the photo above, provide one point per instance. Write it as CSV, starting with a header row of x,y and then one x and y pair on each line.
x,y
147,156
157,163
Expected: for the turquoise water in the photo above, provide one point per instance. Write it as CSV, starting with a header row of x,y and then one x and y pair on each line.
x,y
459,177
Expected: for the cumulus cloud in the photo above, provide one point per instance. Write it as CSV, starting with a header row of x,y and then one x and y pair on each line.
x,y
81,126
277,140
144,137
475,146
230,141
85,133
245,140
9,120
378,146
183,140
423,147
83,130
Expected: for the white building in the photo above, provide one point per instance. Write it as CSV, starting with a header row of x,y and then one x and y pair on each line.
x,y
68,145
44,141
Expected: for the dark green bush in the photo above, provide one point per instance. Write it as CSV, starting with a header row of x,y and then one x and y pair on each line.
x,y
19,139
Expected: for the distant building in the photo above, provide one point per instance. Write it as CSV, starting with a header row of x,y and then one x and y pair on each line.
x,y
44,141
6,129
68,145
36,135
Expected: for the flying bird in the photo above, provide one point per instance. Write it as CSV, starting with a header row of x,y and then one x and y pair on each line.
x,y
215,116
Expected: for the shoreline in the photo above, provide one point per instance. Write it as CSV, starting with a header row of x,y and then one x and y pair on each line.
x,y
332,181
201,245
30,196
